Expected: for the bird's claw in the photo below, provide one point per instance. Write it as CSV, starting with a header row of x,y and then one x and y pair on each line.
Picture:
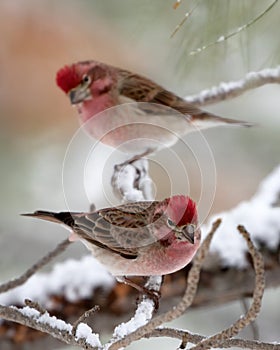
x,y
153,295
134,159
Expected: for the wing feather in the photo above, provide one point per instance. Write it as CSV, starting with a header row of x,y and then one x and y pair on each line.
x,y
141,89
120,229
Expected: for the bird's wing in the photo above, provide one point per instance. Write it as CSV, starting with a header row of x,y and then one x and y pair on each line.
x,y
121,230
141,89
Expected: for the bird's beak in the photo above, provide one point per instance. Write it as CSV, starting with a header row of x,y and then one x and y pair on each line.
x,y
79,94
189,236
188,232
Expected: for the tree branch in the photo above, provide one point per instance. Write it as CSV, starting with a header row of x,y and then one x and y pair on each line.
x,y
36,267
45,323
189,337
250,316
225,91
131,180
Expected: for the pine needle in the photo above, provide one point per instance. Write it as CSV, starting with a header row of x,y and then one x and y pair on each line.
x,y
238,30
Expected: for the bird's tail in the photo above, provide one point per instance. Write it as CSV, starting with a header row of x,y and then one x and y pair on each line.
x,y
61,218
206,120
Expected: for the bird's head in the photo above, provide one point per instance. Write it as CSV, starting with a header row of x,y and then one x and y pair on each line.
x,y
85,80
181,218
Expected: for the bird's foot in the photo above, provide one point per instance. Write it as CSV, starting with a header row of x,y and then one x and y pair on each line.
x,y
135,158
149,293
153,295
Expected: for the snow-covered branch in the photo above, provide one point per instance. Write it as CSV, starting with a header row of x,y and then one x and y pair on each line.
x,y
225,91
131,181
57,328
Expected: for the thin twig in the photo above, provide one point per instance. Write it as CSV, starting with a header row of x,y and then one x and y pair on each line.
x,y
254,327
234,32
250,316
84,317
186,16
35,305
34,268
196,338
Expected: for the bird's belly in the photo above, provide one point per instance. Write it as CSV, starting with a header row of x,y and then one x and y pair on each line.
x,y
132,130
148,263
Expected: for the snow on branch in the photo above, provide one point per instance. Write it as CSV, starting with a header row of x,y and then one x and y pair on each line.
x,y
260,215
72,278
225,91
57,328
143,313
131,181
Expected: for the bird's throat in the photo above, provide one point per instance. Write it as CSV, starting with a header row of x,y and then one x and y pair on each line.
x,y
96,105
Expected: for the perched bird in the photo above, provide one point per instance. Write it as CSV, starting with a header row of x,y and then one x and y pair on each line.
x,y
139,238
130,112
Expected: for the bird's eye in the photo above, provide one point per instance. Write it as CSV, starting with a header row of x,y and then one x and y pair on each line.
x,y
86,79
170,223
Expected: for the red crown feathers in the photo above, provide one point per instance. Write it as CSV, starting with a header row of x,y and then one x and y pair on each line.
x,y
67,78
184,209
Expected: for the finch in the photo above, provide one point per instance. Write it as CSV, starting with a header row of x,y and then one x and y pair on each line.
x,y
130,112
136,239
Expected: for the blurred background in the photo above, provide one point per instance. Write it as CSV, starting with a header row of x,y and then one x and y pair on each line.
x,y
39,154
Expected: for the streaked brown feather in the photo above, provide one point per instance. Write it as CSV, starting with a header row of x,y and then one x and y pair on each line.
x,y
141,89
120,229
103,228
